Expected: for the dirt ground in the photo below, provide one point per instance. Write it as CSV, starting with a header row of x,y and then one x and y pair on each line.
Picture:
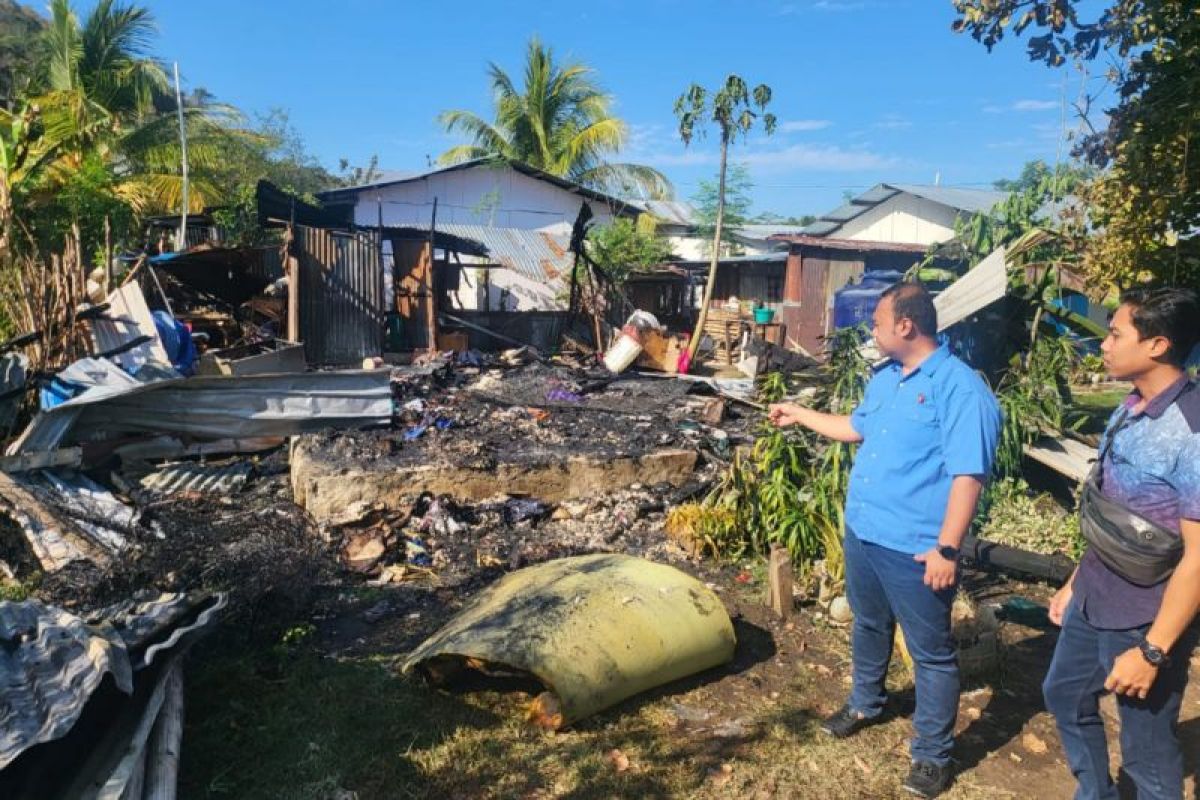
x,y
327,715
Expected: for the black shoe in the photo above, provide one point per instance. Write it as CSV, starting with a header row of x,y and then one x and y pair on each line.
x,y
927,780
846,722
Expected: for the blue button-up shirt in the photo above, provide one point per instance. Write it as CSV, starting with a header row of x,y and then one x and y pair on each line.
x,y
919,431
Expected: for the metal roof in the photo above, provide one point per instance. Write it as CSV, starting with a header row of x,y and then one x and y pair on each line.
x,y
972,200
672,212
537,255
350,192
960,199
856,245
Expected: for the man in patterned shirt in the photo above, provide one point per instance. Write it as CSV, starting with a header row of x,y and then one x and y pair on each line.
x,y
1117,636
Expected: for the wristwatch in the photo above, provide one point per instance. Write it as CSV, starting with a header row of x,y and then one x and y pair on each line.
x,y
947,552
1155,656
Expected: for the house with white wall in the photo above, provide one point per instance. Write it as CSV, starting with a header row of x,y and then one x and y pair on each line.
x,y
902,213
493,201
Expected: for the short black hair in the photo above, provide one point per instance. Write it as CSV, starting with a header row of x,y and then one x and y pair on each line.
x,y
912,301
1170,312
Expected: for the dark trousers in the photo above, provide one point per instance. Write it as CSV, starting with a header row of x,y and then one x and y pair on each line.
x,y
1150,751
884,587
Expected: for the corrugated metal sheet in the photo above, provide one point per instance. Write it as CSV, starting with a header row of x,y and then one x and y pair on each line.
x,y
128,318
51,662
672,212
218,407
973,200
341,295
537,255
189,476
980,287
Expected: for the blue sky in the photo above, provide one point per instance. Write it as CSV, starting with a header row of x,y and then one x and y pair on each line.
x,y
865,90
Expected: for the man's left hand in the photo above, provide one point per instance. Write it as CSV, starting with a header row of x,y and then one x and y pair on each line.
x,y
1132,675
940,573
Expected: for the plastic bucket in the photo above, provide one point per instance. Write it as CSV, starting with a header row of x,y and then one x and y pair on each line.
x,y
623,353
763,315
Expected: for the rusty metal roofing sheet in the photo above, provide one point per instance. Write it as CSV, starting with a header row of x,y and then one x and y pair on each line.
x,y
537,255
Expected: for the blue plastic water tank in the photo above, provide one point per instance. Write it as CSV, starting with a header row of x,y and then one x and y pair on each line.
x,y
854,303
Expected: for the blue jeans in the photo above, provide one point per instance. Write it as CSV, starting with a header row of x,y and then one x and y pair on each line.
x,y
884,587
1150,749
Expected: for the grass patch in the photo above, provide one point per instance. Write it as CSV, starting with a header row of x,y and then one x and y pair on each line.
x,y
1095,408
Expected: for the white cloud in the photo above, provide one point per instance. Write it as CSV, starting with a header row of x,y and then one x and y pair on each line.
x,y
798,125
792,9
892,122
1022,105
826,158
1034,105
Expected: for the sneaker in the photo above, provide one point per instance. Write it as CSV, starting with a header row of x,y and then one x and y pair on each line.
x,y
927,780
846,722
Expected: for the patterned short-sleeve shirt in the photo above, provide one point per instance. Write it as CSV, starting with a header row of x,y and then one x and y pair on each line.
x,y
1153,469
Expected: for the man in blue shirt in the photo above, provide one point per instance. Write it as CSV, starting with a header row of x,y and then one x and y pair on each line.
x,y
928,427
1119,636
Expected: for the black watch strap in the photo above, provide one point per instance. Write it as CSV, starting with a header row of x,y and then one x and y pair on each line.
x,y
1155,656
947,552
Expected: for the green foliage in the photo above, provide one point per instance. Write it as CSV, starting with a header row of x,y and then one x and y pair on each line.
x,y
791,488
1020,518
982,233
706,201
1034,397
559,121
771,218
623,246
1143,210
20,28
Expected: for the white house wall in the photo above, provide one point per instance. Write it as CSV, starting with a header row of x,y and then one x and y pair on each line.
x,y
902,218
499,197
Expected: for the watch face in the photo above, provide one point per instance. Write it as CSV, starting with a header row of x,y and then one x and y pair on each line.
x,y
948,552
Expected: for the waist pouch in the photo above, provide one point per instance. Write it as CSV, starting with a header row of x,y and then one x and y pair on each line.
x,y
1139,550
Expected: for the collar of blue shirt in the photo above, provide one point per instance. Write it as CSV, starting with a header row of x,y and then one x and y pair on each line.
x,y
928,365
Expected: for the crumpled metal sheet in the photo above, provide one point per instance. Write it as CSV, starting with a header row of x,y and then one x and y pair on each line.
x,y
594,630
50,664
218,407
127,319
52,661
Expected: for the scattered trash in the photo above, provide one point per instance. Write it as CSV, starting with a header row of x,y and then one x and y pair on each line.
x,y
563,396
1024,611
519,510
416,552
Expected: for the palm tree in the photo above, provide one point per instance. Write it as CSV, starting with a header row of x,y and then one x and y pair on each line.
x,y
560,121
105,94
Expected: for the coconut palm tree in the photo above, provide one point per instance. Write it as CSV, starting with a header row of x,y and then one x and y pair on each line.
x,y
104,94
560,121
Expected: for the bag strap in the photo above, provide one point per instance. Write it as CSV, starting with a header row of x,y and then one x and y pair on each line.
x,y
1121,422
